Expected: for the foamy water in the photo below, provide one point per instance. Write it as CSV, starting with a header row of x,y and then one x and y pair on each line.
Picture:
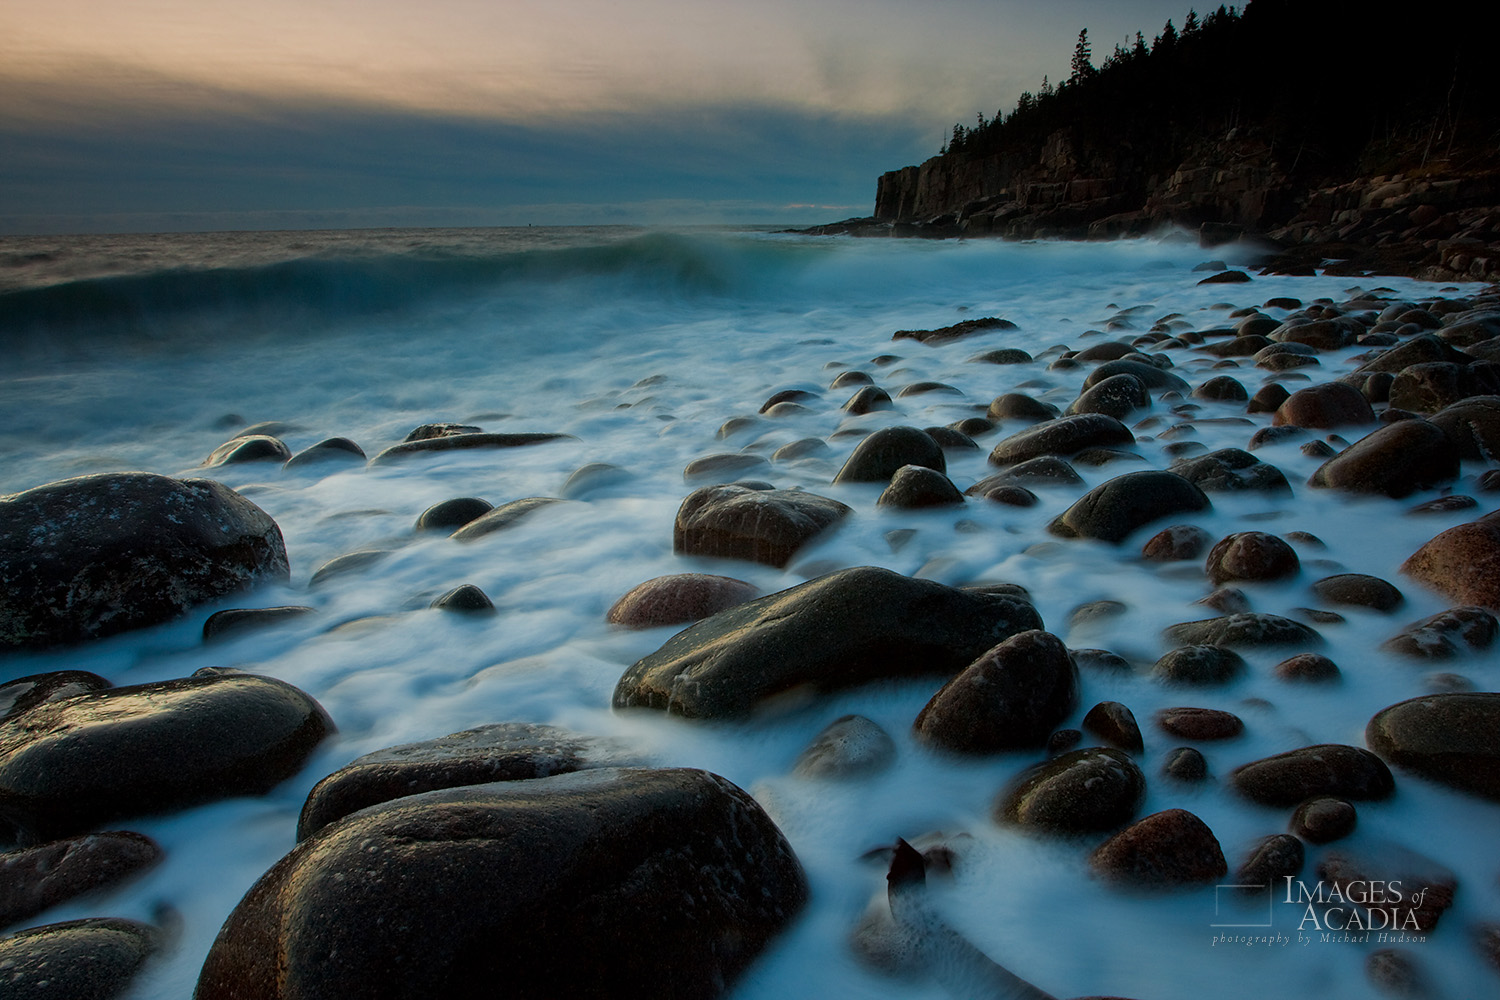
x,y
642,346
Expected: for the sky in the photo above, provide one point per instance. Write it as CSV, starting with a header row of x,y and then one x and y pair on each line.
x,y
173,115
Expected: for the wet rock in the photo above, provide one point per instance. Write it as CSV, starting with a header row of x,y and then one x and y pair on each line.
x,y
1117,396
1473,425
921,388
1244,629
1019,406
1324,334
1251,555
1447,738
1083,791
1094,612
450,515
1012,495
1395,460
1222,389
1429,387
68,765
1064,436
25,693
957,331
93,959
1444,505
1200,665
764,526
464,442
1011,697
868,399
342,565
803,448
1101,660
1312,668
1166,849
1115,724
249,448
1199,723
951,440
1003,356
915,487
1113,510
851,746
465,599
1237,347
1226,601
1418,350
1462,563
1230,470
335,449
506,751
1271,861
788,396
1323,820
1046,470
1445,635
1359,590
90,557
237,621
427,432
1369,874
1185,764
678,599
845,379
1331,404
841,630
1326,769
725,468
36,879
1177,543
507,515
1152,377
878,457
1268,399
1063,740
591,478
674,877
1109,350
1225,278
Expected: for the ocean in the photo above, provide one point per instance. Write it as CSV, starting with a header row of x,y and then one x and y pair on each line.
x,y
147,352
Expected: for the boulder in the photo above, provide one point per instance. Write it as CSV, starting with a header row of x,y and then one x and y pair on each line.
x,y
1200,665
1199,723
678,599
1453,739
1390,885
725,468
1115,724
957,331
1064,436
450,515
465,599
1150,375
764,526
1251,555
1307,668
1396,460
1433,385
93,959
1327,769
1045,470
915,487
98,555
1462,563
463,441
1114,509
1358,590
840,630
850,746
335,449
878,457
1323,820
1117,396
38,878
1166,849
868,399
25,693
1222,389
1332,404
249,448
1092,790
70,764
1473,425
1421,349
563,886
1244,629
1445,635
1177,543
505,751
1010,698
1019,406
1230,470
231,622
1271,861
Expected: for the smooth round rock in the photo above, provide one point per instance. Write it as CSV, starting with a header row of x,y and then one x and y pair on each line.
x,y
1245,629
450,515
1325,406
1164,850
1064,436
1323,820
1115,724
849,747
1232,470
1445,635
1448,738
1251,555
465,599
1200,664
1396,460
1092,790
1358,590
678,599
1185,764
1312,668
1271,861
1199,723
1178,543
675,878
249,448
1114,509
68,765
1462,563
881,455
36,879
916,487
92,959
1286,779
95,556
238,621
763,526
1011,697
507,515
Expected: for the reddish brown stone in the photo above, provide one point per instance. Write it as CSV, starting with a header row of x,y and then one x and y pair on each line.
x,y
1251,555
678,599
1332,404
1199,723
1165,849
1462,563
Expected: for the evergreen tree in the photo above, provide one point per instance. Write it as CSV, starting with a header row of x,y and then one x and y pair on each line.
x,y
1083,68
1191,24
1046,90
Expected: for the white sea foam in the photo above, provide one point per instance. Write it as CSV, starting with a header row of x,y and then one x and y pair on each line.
x,y
641,346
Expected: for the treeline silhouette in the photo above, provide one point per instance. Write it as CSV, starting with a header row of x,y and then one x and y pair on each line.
x,y
1333,87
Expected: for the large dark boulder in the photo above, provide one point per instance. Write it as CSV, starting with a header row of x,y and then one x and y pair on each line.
x,y
1462,563
1327,769
1331,404
1473,425
1449,738
1064,436
1431,386
1166,849
764,526
1396,460
506,751
1117,396
1231,470
1445,635
38,878
1113,510
1150,375
93,959
1082,791
1011,697
70,764
1245,628
838,631
878,457
90,557
581,885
